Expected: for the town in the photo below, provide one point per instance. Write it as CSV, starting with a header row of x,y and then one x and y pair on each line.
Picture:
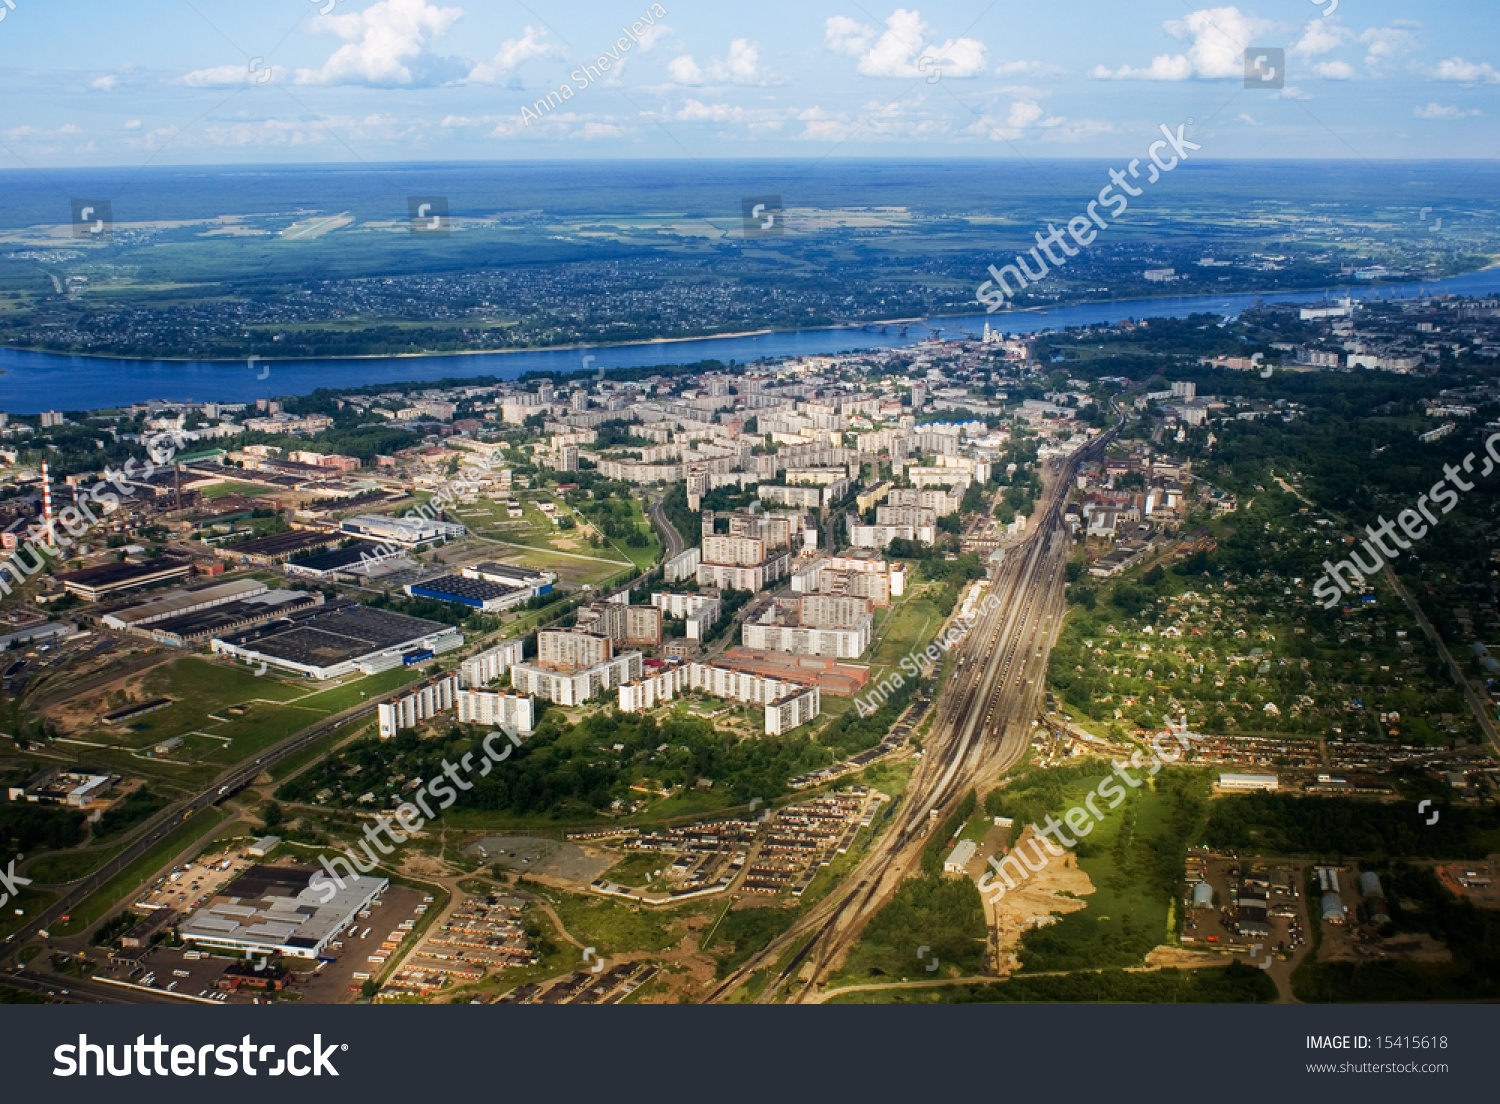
x,y
727,613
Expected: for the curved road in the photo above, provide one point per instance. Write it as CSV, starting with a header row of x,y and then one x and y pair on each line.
x,y
670,535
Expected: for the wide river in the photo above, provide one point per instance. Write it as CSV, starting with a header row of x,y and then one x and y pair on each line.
x,y
33,382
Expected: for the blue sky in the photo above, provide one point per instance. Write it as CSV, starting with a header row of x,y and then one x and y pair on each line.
x,y
90,82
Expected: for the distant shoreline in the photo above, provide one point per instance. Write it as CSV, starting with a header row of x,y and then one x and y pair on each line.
x,y
852,326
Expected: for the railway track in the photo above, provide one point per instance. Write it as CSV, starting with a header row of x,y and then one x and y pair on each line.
x,y
982,726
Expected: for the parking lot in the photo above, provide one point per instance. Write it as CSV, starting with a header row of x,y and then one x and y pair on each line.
x,y
369,936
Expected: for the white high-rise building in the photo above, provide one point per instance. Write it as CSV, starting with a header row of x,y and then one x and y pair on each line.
x,y
493,708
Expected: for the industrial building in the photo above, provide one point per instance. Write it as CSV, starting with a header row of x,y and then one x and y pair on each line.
x,y
95,583
270,550
191,617
275,910
362,558
407,531
54,786
959,858
177,602
1246,783
522,578
475,593
340,638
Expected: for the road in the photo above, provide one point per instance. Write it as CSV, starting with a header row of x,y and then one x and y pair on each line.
x,y
981,728
670,535
91,991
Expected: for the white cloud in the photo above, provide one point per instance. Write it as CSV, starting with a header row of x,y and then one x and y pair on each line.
x,y
1292,92
1321,36
385,45
228,76
695,112
1220,37
1248,121
1441,111
104,84
843,35
564,125
1383,44
512,54
1467,72
878,122
652,36
742,66
1028,69
132,124
1334,70
898,51
1023,115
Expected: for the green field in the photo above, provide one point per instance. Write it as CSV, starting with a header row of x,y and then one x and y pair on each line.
x,y
220,490
1134,857
68,866
266,710
909,625
615,927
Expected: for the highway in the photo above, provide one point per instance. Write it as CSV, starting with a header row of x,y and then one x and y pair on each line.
x,y
981,728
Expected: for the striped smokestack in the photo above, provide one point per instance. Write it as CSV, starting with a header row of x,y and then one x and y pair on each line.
x,y
46,494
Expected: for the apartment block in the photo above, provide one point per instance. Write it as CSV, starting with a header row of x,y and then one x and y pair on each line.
x,y
941,502
730,576
778,631
573,687
827,611
700,612
493,708
684,565
797,708
915,516
420,705
740,551
572,649
487,666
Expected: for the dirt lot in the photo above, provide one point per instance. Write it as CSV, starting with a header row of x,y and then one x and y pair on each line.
x,y
567,862
1033,904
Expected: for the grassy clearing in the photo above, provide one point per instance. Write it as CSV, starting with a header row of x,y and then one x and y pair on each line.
x,y
1134,858
68,866
615,927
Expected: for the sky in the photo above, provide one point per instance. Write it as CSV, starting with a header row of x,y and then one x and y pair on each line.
x,y
164,82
